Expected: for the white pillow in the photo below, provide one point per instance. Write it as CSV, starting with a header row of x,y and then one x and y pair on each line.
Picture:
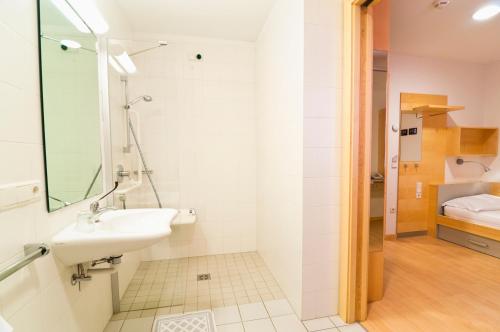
x,y
476,203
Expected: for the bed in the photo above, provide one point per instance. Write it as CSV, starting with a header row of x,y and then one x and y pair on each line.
x,y
483,218
473,228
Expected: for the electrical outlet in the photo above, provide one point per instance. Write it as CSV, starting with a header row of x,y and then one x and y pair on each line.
x,y
418,190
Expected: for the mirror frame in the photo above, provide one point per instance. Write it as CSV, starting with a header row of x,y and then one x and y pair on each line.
x,y
43,122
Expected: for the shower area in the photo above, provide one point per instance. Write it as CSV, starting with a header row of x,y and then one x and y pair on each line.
x,y
183,132
224,114
183,136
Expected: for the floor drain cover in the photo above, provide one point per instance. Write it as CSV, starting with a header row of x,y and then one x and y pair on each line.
x,y
202,277
202,321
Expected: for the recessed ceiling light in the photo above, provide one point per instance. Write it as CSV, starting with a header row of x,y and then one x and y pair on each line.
x,y
486,12
70,43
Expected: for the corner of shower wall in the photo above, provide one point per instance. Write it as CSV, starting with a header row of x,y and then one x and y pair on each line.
x,y
279,88
322,156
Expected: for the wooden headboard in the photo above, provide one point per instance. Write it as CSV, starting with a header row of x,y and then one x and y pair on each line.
x,y
495,188
440,193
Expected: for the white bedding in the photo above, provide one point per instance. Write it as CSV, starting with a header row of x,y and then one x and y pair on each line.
x,y
476,203
483,218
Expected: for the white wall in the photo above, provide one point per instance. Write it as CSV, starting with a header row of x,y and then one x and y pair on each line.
x,y
491,104
462,82
321,159
280,63
39,297
198,136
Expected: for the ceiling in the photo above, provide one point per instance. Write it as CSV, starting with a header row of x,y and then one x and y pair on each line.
x,y
417,28
225,19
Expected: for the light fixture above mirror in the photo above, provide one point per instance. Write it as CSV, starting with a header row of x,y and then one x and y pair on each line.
x,y
84,15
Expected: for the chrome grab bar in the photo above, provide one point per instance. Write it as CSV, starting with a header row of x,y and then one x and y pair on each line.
x,y
31,252
149,171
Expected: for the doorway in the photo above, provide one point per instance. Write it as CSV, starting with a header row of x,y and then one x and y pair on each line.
x,y
430,101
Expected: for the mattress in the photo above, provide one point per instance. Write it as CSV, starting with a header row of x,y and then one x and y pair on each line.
x,y
483,218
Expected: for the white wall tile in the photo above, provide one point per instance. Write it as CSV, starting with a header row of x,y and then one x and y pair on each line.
x,y
322,156
279,89
322,162
39,297
320,102
321,191
322,132
198,135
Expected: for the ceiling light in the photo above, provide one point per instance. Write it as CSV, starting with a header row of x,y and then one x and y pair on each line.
x,y
486,12
440,4
70,43
70,14
126,63
115,65
91,15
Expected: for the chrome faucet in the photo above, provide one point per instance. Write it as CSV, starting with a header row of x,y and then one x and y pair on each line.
x,y
96,214
94,206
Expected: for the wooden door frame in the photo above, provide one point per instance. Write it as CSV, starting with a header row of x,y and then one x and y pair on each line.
x,y
356,159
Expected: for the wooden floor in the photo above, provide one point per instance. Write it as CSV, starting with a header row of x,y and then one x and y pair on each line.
x,y
433,285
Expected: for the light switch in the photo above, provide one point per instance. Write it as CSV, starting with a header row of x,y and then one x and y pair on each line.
x,y
394,162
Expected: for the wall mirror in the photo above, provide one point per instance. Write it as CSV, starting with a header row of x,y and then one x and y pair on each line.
x,y
410,137
70,105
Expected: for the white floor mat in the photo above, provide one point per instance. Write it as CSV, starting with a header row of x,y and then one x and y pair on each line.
x,y
201,321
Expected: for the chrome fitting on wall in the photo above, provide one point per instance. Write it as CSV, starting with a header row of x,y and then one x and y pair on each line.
x,y
79,276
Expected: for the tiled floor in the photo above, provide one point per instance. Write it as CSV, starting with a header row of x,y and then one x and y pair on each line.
x,y
242,294
235,279
268,316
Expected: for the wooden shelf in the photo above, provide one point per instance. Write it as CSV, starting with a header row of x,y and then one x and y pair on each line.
x,y
426,104
435,109
472,141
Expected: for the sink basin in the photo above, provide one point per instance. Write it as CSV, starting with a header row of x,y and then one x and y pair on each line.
x,y
117,232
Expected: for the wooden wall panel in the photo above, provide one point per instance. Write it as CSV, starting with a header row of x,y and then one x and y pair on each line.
x,y
412,212
376,272
364,160
495,188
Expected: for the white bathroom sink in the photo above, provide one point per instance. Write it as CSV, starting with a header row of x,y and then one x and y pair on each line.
x,y
117,232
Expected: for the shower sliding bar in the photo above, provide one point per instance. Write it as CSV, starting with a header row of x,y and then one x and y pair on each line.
x,y
31,252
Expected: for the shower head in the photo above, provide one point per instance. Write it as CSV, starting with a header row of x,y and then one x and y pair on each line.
x,y
145,98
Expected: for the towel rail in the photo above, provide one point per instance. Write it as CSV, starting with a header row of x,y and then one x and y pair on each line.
x,y
31,252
